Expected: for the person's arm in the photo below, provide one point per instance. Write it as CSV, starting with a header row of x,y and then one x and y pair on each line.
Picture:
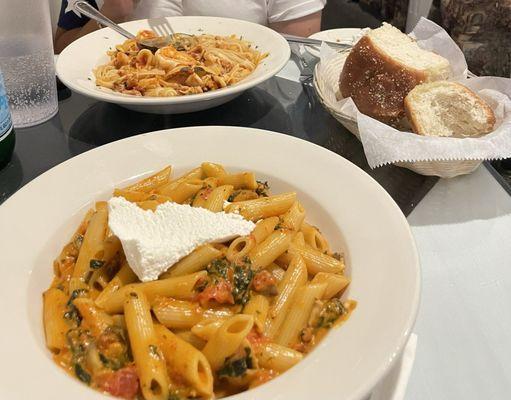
x,y
116,10
304,26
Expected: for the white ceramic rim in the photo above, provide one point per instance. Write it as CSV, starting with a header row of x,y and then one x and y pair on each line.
x,y
345,34
23,207
69,52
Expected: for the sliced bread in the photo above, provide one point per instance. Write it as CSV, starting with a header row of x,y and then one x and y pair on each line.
x,y
383,67
448,109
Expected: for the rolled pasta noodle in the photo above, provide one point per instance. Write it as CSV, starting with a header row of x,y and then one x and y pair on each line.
x,y
180,287
293,218
315,260
186,361
294,277
182,191
124,276
276,357
299,313
227,339
212,169
314,238
335,283
270,249
152,182
93,318
264,228
55,327
131,195
217,197
263,207
240,247
92,243
195,173
242,180
258,306
145,346
195,261
179,314
207,328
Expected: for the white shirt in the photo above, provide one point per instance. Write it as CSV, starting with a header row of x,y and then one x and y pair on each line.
x,y
258,11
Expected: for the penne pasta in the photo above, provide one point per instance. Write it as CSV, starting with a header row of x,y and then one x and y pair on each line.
x,y
182,191
240,247
276,357
54,303
242,180
335,283
227,317
264,228
263,207
152,182
91,245
195,261
315,260
226,340
212,169
179,314
145,346
270,249
185,361
294,277
293,218
216,199
258,306
194,174
314,238
299,313
180,287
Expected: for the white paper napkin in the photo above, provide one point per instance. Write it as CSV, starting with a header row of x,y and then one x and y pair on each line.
x,y
384,144
393,386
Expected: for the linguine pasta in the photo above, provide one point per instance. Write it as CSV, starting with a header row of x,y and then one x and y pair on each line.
x,y
192,64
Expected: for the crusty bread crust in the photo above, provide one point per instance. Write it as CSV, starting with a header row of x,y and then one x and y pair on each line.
x,y
420,130
377,83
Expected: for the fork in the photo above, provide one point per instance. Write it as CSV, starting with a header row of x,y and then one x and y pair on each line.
x,y
161,27
306,73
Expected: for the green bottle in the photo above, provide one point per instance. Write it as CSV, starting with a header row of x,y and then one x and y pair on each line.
x,y
7,138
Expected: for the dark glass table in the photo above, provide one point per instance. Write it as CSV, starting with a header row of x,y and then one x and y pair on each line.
x,y
279,105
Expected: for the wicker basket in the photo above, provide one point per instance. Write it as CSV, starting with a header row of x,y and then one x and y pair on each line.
x,y
327,78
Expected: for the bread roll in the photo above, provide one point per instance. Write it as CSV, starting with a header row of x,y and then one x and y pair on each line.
x,y
383,67
448,109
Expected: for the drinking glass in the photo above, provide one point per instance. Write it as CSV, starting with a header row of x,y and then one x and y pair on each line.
x,y
27,61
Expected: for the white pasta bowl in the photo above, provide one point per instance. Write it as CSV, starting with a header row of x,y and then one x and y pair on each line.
x,y
77,61
355,214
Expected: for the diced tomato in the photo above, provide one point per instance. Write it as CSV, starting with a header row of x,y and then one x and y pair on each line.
x,y
264,281
122,383
220,292
256,338
262,376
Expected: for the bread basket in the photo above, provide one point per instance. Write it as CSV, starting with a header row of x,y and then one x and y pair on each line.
x,y
326,83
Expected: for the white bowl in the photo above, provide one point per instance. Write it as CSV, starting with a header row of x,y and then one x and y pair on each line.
x,y
76,62
352,210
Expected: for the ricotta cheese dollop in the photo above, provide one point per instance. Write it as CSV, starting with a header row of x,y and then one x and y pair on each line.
x,y
154,241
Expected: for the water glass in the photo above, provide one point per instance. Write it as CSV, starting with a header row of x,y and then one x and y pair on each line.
x,y
27,61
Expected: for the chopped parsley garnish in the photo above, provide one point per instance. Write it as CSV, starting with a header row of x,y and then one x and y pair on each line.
x,y
72,313
331,311
153,351
233,196
238,366
262,188
337,256
96,264
81,374
241,286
